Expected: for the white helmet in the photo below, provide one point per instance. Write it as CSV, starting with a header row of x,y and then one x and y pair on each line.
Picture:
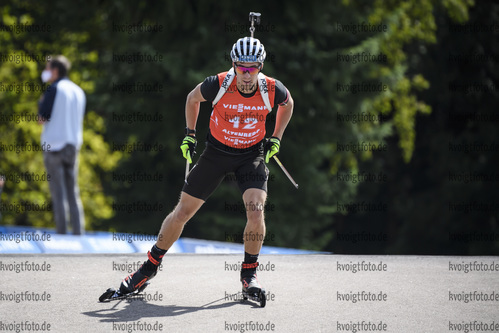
x,y
248,49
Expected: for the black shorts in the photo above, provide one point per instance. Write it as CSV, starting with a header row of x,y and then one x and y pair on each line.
x,y
214,164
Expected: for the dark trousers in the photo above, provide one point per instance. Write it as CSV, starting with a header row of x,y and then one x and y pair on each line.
x,y
62,166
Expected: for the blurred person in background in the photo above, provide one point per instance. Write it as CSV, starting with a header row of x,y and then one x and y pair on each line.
x,y
61,110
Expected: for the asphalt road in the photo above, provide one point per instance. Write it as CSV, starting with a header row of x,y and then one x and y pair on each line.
x,y
306,293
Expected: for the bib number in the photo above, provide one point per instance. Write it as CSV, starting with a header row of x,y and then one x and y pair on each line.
x,y
249,123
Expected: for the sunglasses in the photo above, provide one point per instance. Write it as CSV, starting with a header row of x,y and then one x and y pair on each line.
x,y
251,70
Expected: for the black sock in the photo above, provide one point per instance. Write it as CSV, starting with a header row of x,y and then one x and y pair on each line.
x,y
250,258
157,253
155,257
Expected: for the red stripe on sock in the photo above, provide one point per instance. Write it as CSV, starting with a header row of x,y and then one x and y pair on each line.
x,y
253,265
154,261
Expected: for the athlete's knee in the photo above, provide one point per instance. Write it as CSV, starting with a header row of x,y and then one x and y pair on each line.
x,y
254,212
186,208
182,214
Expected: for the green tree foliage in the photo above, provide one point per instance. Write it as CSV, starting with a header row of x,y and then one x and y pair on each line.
x,y
311,48
20,79
445,200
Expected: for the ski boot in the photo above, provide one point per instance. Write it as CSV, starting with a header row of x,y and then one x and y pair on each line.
x,y
251,287
132,285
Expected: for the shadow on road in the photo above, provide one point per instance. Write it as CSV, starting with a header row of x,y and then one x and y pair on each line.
x,y
137,310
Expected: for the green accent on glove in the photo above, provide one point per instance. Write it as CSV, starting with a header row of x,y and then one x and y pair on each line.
x,y
272,148
188,146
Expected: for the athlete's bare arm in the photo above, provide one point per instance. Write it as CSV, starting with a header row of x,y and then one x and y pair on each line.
x,y
284,114
192,106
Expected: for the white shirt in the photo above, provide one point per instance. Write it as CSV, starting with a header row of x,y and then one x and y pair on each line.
x,y
66,118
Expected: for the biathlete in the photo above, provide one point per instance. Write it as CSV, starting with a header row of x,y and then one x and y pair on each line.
x,y
241,98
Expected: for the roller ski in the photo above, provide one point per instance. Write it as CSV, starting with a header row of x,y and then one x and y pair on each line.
x,y
132,285
112,294
251,287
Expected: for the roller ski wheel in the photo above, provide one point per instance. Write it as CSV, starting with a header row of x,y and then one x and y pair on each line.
x,y
260,297
112,294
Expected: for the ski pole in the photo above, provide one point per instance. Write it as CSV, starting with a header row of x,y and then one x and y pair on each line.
x,y
186,169
285,171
